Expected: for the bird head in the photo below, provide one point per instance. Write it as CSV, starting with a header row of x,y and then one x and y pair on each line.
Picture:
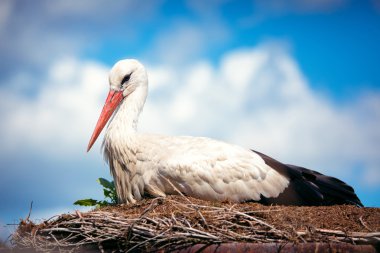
x,y
125,77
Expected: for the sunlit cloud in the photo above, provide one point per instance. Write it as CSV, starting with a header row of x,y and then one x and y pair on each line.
x,y
59,118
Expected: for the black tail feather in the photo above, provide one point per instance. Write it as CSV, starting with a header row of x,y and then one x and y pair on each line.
x,y
308,187
334,191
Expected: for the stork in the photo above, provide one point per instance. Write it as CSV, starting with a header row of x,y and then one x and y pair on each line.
x,y
158,165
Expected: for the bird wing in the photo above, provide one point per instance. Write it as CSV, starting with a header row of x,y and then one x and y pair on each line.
x,y
207,169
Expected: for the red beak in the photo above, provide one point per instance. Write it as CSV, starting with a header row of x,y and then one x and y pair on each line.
x,y
113,100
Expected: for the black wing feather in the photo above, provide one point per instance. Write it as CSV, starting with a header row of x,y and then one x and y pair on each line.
x,y
309,187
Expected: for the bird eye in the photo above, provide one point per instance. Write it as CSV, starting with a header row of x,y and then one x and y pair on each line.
x,y
125,79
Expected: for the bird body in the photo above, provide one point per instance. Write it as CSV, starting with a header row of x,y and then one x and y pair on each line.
x,y
196,166
157,165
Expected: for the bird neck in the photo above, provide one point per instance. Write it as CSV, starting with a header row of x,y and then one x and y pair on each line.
x,y
123,125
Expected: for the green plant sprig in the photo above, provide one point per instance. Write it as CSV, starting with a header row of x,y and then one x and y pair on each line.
x,y
110,196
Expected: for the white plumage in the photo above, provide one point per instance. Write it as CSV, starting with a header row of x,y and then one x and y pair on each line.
x,y
200,167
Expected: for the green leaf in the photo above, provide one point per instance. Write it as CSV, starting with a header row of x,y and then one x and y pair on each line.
x,y
114,198
106,184
107,193
111,195
86,202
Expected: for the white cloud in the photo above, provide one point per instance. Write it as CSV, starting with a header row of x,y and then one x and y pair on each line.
x,y
255,97
170,46
59,120
184,42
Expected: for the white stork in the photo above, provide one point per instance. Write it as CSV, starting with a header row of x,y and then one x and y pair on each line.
x,y
157,165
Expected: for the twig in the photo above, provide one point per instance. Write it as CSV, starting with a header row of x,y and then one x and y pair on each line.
x,y
30,211
363,223
78,213
180,193
146,241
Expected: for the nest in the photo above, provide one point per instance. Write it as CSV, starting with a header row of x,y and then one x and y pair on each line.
x,y
178,222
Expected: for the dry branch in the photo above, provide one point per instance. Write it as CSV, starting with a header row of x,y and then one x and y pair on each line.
x,y
172,223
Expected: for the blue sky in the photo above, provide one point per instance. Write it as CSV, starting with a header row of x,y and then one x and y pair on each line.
x,y
298,80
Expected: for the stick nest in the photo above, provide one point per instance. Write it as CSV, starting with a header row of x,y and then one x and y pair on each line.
x,y
178,222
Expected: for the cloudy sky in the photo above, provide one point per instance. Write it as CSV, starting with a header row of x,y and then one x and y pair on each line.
x,y
298,80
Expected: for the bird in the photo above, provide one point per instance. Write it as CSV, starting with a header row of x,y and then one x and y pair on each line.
x,y
153,165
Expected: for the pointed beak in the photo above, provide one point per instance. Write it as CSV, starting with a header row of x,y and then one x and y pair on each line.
x,y
113,100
